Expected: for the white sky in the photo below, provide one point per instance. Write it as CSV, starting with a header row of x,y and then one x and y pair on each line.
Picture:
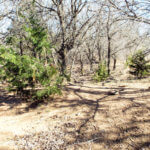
x,y
6,6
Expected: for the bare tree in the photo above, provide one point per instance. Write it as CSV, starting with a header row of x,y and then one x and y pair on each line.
x,y
110,22
97,30
133,9
72,21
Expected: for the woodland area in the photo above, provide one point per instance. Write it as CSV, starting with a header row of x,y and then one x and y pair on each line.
x,y
75,74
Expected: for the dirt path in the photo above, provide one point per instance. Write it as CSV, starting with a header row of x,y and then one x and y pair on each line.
x,y
115,116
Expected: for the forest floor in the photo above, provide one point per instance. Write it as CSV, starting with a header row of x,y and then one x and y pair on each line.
x,y
92,116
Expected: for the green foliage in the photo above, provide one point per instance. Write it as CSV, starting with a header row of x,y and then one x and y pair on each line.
x,y
138,65
101,73
26,62
31,36
37,36
22,72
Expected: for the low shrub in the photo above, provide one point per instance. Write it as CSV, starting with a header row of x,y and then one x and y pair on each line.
x,y
138,65
26,72
101,73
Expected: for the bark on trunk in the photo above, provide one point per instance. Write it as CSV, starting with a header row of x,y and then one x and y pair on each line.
x,y
99,54
114,65
109,51
81,64
62,61
72,65
34,52
21,48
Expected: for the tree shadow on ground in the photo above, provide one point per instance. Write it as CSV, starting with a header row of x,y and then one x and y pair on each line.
x,y
132,133
9,100
132,108
12,101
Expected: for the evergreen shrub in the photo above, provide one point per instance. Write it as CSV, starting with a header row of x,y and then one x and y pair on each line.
x,y
138,65
26,72
101,73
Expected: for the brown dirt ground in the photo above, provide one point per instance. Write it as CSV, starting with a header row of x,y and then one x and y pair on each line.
x,y
114,116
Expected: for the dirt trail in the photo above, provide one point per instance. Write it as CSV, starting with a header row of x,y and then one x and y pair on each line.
x,y
115,116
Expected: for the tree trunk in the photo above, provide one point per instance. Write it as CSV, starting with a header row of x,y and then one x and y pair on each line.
x,y
114,65
99,53
108,55
73,61
62,60
21,48
91,66
81,64
34,52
